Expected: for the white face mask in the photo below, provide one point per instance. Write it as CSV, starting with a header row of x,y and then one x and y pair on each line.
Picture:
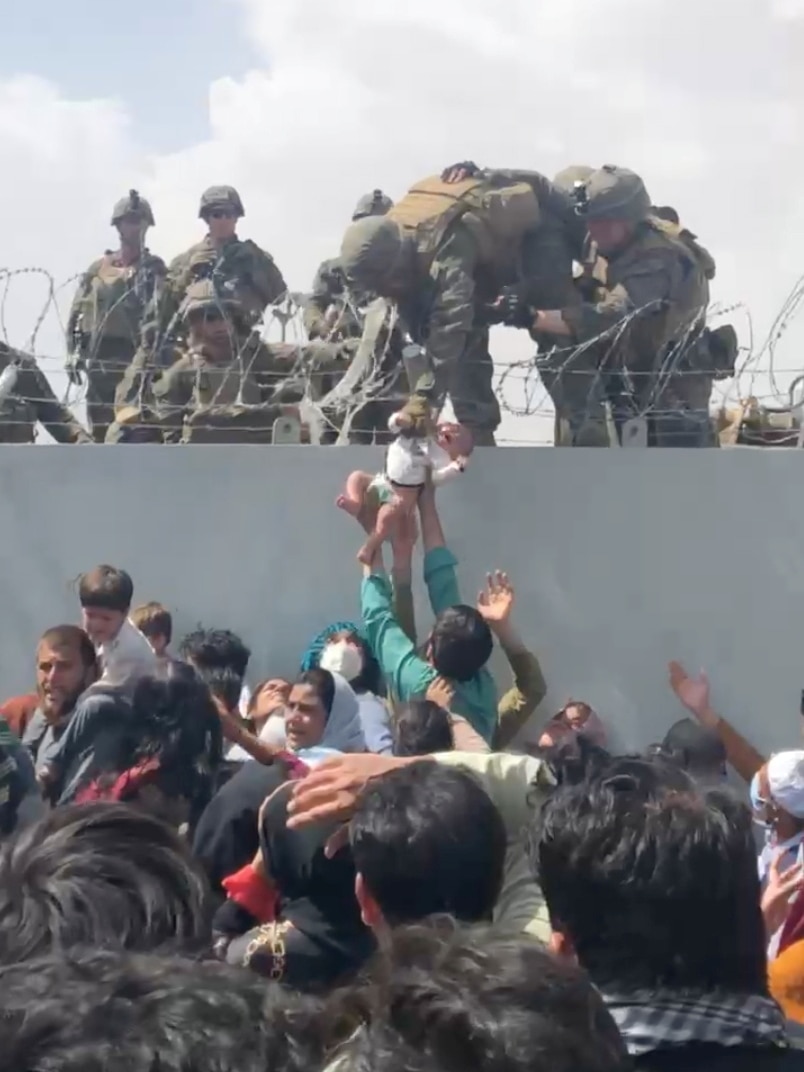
x,y
342,658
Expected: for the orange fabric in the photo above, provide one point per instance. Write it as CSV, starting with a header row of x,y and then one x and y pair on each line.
x,y
18,712
786,981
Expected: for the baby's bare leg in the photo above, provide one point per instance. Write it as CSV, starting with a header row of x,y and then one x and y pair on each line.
x,y
388,516
354,492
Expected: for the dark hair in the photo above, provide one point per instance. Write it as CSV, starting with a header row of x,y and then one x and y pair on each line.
x,y
654,880
573,759
215,649
460,643
71,636
100,1010
153,620
100,875
106,587
452,999
427,840
175,721
695,748
221,659
421,728
324,684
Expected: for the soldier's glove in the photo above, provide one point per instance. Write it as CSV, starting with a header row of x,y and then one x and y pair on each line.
x,y
466,169
75,369
512,310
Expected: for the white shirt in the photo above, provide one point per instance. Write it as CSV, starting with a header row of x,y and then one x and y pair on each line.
x,y
126,658
408,460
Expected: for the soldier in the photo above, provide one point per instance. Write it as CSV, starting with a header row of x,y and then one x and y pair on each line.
x,y
570,374
327,304
650,316
220,388
445,252
105,322
239,270
26,398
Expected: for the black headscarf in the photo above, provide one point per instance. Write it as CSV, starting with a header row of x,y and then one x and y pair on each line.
x,y
327,941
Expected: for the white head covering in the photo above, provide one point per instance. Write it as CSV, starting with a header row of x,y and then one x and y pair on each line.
x,y
343,731
786,782
341,657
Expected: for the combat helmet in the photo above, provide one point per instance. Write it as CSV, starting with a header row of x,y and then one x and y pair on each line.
x,y
614,193
132,205
220,197
203,294
374,204
370,248
568,178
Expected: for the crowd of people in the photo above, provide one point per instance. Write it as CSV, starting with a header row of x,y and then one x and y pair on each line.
x,y
382,863
612,289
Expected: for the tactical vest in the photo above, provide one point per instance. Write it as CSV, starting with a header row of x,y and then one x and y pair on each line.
x,y
688,241
231,270
109,308
677,323
498,216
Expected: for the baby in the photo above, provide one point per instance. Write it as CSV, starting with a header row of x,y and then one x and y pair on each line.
x,y
421,446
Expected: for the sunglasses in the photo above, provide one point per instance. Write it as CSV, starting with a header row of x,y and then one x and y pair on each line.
x,y
221,214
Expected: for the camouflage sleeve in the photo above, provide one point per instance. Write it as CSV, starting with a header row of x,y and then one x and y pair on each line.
x,y
52,414
550,198
134,386
172,393
650,283
326,288
452,311
164,302
81,292
267,280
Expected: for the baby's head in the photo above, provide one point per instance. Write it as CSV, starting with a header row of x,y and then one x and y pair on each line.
x,y
456,440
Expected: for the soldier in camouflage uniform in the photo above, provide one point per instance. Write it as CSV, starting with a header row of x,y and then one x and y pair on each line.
x,y
327,309
570,374
445,252
239,270
649,316
225,384
27,399
334,312
105,322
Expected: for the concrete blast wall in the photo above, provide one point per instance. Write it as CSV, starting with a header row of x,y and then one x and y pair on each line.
x,y
622,560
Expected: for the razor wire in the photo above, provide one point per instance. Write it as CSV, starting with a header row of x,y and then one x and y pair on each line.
x,y
367,378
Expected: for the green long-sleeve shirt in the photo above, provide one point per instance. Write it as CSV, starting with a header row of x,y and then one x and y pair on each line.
x,y
407,673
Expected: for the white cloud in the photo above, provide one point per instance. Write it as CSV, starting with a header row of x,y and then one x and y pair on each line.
x,y
350,94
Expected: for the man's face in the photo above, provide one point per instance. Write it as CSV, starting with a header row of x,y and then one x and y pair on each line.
x,y
101,624
132,229
210,327
609,235
222,223
61,677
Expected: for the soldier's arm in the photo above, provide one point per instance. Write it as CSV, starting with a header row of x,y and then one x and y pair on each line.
x,y
649,284
75,309
550,198
164,304
172,393
326,289
266,277
52,414
452,312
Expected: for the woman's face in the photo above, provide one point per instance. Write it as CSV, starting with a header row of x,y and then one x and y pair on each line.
x,y
305,718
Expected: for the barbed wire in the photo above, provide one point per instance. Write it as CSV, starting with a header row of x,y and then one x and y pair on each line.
x,y
368,377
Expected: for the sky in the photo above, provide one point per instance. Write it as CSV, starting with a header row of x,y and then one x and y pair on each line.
x,y
304,105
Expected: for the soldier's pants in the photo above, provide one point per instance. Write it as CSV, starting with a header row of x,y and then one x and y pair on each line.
x,y
577,390
471,389
106,369
680,416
